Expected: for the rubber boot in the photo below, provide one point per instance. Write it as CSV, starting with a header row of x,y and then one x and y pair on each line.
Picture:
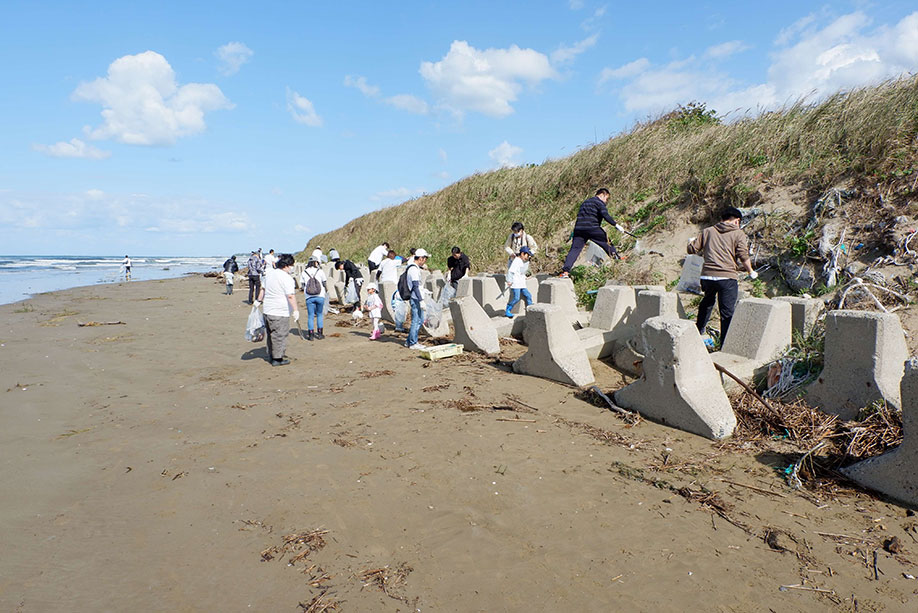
x,y
321,334
308,335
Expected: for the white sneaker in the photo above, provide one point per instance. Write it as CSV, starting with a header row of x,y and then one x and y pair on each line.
x,y
418,346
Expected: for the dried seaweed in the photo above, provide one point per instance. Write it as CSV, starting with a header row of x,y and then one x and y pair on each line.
x,y
388,580
369,374
319,604
299,544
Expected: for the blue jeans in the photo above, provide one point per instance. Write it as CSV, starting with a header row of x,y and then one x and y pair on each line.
x,y
515,297
315,307
417,318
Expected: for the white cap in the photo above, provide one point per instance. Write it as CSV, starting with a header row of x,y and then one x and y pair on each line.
x,y
372,286
420,253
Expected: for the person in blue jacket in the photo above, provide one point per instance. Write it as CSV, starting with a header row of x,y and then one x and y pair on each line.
x,y
588,227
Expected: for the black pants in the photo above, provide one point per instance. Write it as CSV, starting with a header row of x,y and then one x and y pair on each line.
x,y
254,288
580,238
372,265
725,292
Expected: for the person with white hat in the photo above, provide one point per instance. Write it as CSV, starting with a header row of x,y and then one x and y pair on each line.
x,y
413,273
373,307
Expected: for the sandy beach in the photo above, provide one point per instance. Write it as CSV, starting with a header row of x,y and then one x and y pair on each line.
x,y
159,464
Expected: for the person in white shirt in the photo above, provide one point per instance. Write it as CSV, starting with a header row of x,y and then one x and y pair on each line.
x,y
417,313
270,259
278,297
316,254
333,255
373,307
388,269
516,280
126,266
376,256
315,293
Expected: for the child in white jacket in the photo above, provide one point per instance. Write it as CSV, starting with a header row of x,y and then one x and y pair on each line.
x,y
373,306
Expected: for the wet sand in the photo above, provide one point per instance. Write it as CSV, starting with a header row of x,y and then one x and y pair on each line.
x,y
148,466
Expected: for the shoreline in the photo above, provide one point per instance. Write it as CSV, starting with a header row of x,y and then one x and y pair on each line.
x,y
151,465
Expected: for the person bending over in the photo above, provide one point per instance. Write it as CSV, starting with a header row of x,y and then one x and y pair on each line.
x,y
588,227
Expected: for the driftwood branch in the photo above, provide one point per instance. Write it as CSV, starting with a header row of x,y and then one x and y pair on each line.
x,y
751,391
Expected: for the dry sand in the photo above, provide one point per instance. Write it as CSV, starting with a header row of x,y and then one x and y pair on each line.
x,y
147,466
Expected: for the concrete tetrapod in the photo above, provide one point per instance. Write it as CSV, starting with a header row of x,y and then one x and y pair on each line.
x,y
555,352
895,473
472,326
759,334
679,386
864,358
804,313
386,291
628,347
488,294
560,292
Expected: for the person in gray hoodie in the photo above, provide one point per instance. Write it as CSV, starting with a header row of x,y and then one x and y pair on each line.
x,y
724,247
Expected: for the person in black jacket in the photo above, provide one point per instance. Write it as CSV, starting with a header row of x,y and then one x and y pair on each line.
x,y
351,273
588,227
230,268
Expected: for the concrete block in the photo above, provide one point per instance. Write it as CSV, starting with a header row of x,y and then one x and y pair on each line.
x,y
864,357
560,292
435,286
805,313
473,328
506,326
614,304
386,291
893,473
555,351
598,344
759,334
441,330
679,385
339,291
628,341
488,294
464,287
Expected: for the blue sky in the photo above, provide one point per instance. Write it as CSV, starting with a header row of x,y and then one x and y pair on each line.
x,y
209,128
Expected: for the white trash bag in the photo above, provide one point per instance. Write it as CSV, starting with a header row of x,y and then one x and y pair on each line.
x,y
255,328
399,310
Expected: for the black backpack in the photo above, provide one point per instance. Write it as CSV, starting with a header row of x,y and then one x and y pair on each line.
x,y
313,287
404,287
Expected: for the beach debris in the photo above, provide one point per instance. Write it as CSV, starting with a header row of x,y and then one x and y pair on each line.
x,y
516,419
893,545
100,323
388,580
435,388
376,373
298,544
73,432
319,604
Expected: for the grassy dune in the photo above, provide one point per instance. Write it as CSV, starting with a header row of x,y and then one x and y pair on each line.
x,y
684,163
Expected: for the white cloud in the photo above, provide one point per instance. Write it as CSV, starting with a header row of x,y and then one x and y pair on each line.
x,y
232,56
101,212
504,154
726,49
485,81
442,154
565,55
143,104
407,102
625,70
575,5
398,194
592,22
75,148
301,229
358,82
301,109
809,60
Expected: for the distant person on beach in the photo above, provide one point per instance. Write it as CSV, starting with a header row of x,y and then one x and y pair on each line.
x,y
230,268
414,282
126,265
517,240
333,255
256,268
388,269
376,257
316,254
313,282
279,299
724,247
373,308
270,259
588,227
353,278
516,280
457,265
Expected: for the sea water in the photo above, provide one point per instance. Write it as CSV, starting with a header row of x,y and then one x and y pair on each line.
x,y
24,275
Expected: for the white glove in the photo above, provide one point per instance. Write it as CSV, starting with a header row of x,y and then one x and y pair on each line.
x,y
620,228
296,316
256,304
691,240
753,275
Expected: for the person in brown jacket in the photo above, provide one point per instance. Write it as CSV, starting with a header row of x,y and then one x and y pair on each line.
x,y
725,248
